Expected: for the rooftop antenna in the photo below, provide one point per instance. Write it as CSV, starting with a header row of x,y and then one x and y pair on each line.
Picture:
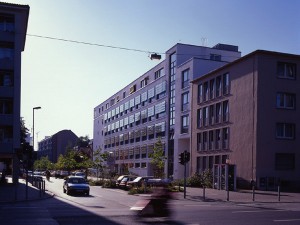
x,y
204,41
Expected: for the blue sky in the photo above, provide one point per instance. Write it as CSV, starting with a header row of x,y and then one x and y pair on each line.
x,y
68,80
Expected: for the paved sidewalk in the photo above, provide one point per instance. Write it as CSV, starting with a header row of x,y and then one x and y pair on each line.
x,y
15,193
240,196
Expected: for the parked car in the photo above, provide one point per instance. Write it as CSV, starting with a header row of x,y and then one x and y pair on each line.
x,y
74,184
123,183
63,174
80,174
118,181
137,182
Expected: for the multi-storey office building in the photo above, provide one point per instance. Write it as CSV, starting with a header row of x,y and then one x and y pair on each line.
x,y
245,114
13,28
156,105
55,145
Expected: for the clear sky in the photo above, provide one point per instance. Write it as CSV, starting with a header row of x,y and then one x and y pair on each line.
x,y
68,80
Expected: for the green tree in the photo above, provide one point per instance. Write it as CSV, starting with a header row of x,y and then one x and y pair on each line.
x,y
99,159
158,159
43,164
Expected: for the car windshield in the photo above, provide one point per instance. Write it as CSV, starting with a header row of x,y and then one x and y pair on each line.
x,y
137,179
79,174
76,180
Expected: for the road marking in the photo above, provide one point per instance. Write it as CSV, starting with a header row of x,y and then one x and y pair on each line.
x,y
259,211
286,220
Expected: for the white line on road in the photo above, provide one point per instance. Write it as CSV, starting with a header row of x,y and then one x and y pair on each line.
x,y
286,220
260,211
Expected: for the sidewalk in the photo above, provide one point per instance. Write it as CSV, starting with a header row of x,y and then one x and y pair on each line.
x,y
240,196
16,193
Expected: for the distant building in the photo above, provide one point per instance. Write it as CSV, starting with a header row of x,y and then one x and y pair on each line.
x,y
55,145
156,104
246,115
13,28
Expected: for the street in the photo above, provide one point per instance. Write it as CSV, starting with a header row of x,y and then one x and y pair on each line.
x,y
112,206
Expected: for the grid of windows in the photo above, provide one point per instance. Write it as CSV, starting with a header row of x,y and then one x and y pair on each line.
x,y
216,139
213,88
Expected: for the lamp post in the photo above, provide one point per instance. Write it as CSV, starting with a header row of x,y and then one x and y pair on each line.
x,y
34,108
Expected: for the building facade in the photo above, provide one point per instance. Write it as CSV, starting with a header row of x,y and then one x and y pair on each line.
x,y
13,28
245,115
156,105
55,145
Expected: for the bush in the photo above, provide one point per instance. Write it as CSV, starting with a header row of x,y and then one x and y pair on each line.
x,y
139,190
109,184
96,182
196,180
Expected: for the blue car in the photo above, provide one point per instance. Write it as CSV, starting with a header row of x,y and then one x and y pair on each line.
x,y
76,185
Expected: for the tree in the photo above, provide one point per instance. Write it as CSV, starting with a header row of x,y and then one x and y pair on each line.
x,y
158,159
43,164
99,159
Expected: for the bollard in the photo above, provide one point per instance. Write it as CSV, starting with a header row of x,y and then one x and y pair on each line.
x,y
279,193
227,194
253,193
203,193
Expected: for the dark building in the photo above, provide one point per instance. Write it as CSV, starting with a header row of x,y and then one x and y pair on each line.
x,y
55,145
13,28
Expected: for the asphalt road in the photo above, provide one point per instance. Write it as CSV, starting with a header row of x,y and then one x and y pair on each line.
x,y
112,207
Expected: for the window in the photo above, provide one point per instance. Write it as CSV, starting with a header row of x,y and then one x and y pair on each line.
x,y
6,78
285,131
6,134
172,67
211,140
218,113
184,101
218,139
172,94
199,118
7,23
211,89
211,114
205,91
172,115
286,100
184,124
185,79
159,73
225,137
199,141
151,94
225,111
205,116
6,106
124,94
215,57
6,52
218,86
286,70
132,89
144,82
225,83
284,161
200,89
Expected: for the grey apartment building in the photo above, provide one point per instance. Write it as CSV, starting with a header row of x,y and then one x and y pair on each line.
x,y
55,145
13,28
246,115
156,105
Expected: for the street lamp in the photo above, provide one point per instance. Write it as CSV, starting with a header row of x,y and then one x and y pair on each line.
x,y
34,108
